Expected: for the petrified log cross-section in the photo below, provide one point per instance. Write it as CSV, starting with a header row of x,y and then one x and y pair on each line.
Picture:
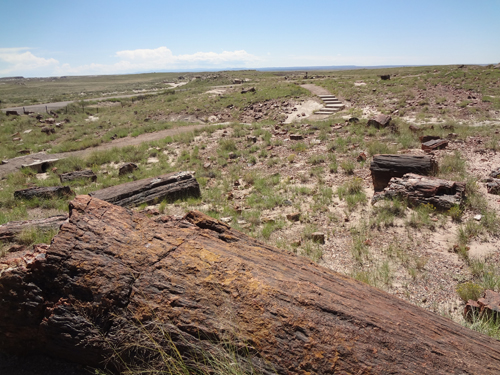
x,y
169,186
201,281
386,166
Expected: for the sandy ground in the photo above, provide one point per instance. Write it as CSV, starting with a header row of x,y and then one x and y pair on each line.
x,y
305,109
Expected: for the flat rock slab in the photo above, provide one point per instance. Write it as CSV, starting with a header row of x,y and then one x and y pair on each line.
x,y
434,144
114,279
40,166
152,190
380,121
442,194
487,306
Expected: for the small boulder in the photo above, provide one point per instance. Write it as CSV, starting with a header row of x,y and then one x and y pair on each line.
x,y
380,121
318,237
127,168
293,216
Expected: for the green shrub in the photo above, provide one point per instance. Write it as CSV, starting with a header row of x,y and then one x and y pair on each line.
x,y
470,290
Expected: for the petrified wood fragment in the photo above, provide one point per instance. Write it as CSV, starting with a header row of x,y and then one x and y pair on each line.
x,y
9,230
434,144
169,186
416,189
113,277
486,307
384,167
380,121
87,174
43,192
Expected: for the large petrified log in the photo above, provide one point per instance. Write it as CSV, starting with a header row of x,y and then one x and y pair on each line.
x,y
112,278
169,186
46,192
416,189
9,230
385,166
86,174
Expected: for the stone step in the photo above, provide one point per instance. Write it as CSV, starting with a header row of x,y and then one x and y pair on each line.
x,y
333,102
327,96
335,105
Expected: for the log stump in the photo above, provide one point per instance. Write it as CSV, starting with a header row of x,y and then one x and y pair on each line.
x,y
384,167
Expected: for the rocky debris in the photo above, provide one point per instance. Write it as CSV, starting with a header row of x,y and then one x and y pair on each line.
x,y
237,81
232,155
48,130
435,144
380,121
296,137
127,168
12,113
417,190
251,89
427,138
252,138
495,173
353,120
362,157
112,276
486,307
9,230
50,121
385,77
169,186
293,216
40,166
386,166
493,186
87,174
43,192
318,237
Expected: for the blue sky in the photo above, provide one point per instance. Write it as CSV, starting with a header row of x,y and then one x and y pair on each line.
x,y
53,37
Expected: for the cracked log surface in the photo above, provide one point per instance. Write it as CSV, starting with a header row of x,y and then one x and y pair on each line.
x,y
201,281
169,186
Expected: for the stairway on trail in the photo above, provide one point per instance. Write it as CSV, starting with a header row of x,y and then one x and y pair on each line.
x,y
332,105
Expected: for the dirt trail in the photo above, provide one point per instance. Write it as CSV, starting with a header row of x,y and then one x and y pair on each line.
x,y
16,163
316,90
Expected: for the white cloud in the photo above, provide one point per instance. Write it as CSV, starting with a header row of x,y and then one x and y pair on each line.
x,y
20,61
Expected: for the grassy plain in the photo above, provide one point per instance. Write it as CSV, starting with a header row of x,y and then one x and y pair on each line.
x,y
252,175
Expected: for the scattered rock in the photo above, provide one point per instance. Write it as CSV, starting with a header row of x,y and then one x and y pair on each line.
x,y
251,89
436,144
127,168
385,77
48,130
380,121
478,217
353,120
296,137
232,155
361,157
427,138
227,219
293,216
486,307
318,237
252,138
40,166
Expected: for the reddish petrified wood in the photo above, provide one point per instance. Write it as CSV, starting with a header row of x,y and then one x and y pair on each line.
x,y
200,282
380,121
486,307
